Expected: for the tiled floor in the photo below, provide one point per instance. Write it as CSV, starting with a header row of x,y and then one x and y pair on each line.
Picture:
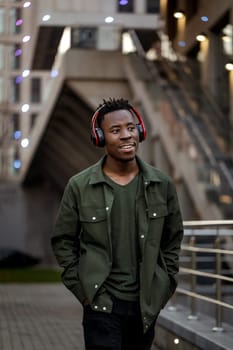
x,y
39,317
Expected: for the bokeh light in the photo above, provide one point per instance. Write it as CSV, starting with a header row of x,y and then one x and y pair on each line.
x,y
17,134
25,108
204,18
18,52
26,38
18,79
17,164
19,22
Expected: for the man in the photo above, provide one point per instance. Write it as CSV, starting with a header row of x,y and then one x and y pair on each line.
x,y
118,235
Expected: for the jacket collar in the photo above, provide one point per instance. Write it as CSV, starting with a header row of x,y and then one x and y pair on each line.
x,y
149,172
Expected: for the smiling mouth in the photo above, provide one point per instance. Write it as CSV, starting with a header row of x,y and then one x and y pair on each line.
x,y
128,146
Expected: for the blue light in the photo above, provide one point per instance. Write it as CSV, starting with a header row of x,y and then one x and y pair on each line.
x,y
18,79
123,2
204,18
18,52
54,73
17,164
182,43
17,134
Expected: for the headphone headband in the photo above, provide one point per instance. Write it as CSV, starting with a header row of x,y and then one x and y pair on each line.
x,y
97,135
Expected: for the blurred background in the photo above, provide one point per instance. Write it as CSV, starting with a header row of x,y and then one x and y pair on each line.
x,y
172,59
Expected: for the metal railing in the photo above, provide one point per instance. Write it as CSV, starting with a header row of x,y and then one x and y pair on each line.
x,y
215,234
174,97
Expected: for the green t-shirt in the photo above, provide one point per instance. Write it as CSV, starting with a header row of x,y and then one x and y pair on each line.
x,y
123,281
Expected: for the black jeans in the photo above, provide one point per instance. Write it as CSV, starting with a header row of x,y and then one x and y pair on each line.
x,y
120,330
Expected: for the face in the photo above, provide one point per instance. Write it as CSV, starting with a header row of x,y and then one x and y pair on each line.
x,y
121,135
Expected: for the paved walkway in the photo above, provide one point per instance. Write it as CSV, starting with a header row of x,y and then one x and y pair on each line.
x,y
39,317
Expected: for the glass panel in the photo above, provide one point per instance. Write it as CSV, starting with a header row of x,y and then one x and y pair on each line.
x,y
15,21
1,21
16,132
16,162
15,121
15,90
35,90
33,119
12,20
152,6
15,55
84,37
1,57
1,89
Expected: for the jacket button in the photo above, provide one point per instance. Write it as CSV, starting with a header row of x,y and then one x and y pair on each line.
x,y
104,308
154,214
142,236
93,218
107,208
95,307
96,286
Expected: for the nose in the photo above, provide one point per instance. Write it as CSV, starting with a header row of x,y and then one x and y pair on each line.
x,y
125,133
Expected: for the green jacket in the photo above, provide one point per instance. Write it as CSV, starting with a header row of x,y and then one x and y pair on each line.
x,y
82,238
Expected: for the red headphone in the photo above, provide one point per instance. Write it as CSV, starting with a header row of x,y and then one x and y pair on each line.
x,y
97,135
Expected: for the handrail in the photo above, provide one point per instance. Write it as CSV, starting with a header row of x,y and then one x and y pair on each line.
x,y
202,297
207,223
206,274
211,157
193,230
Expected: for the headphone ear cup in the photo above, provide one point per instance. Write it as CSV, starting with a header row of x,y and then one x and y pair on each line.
x,y
141,132
99,139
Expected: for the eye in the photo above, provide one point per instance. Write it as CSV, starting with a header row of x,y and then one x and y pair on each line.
x,y
115,131
131,128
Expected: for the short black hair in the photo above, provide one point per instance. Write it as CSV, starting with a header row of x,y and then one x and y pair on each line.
x,y
111,105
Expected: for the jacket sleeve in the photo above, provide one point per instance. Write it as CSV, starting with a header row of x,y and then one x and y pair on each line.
x,y
65,241
172,236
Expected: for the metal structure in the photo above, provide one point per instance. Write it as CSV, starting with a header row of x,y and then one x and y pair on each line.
x,y
210,241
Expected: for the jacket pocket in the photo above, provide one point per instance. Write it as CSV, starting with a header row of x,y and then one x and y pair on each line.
x,y
157,211
92,214
157,214
160,292
94,224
